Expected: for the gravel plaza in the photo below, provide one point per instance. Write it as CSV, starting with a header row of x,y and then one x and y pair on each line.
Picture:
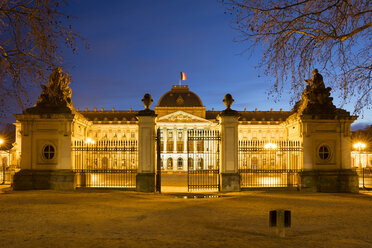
x,y
113,218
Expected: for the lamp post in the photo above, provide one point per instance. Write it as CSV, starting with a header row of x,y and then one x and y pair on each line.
x,y
360,146
270,147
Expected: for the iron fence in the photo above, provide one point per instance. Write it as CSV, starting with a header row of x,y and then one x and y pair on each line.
x,y
365,178
105,164
203,148
269,163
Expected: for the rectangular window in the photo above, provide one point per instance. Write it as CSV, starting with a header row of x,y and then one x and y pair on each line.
x,y
179,146
200,145
170,145
190,145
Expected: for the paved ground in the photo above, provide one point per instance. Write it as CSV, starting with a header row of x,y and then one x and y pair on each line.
x,y
129,219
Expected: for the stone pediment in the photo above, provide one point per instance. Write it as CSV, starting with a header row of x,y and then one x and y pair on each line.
x,y
180,116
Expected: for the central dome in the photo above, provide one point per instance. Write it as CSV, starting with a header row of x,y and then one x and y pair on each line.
x,y
180,96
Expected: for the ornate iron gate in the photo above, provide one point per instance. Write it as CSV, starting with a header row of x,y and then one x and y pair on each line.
x,y
105,164
203,148
270,163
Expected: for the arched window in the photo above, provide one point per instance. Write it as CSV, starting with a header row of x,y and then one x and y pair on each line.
x,y
170,164
191,163
5,162
179,163
104,163
254,163
200,164
245,162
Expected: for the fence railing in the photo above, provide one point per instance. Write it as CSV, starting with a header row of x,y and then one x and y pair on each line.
x,y
269,178
365,177
269,163
105,164
6,174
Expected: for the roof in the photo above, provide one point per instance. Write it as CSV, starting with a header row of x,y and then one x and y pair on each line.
x,y
210,115
264,115
255,115
180,96
110,115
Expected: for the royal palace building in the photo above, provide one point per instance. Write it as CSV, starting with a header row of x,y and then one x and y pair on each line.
x,y
221,150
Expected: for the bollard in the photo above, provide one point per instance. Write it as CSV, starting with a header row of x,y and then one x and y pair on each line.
x,y
280,219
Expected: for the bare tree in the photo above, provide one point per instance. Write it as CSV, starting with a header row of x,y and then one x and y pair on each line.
x,y
297,36
32,36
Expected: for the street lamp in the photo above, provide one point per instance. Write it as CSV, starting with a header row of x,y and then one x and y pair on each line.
x,y
360,146
270,146
89,141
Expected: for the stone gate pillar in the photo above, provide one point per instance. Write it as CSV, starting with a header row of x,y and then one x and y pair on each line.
x,y
325,132
46,131
145,179
229,175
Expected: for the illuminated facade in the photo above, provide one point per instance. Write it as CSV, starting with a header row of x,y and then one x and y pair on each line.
x,y
225,150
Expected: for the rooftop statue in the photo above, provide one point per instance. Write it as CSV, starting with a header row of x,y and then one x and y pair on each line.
x,y
56,95
316,98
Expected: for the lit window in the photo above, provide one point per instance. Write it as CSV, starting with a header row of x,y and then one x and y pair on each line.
x,y
191,163
170,164
180,163
179,146
132,134
49,152
179,134
324,152
170,134
200,163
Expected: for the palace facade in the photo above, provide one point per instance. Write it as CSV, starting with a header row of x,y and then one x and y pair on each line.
x,y
226,150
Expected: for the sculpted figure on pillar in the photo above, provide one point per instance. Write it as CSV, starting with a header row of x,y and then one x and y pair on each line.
x,y
56,92
316,98
56,95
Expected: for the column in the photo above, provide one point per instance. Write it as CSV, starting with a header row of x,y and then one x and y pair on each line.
x,y
230,178
145,179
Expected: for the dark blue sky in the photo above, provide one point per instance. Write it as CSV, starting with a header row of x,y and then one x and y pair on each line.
x,y
139,47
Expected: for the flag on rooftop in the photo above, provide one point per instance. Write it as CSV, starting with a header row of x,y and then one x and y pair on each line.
x,y
183,76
